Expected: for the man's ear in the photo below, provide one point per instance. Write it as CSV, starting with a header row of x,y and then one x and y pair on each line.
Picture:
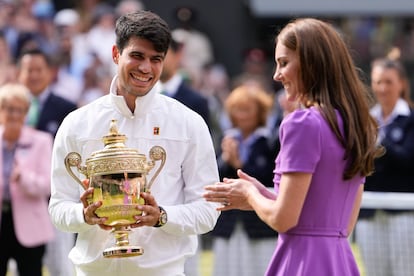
x,y
115,54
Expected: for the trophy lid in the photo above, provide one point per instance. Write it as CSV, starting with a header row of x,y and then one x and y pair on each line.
x,y
115,157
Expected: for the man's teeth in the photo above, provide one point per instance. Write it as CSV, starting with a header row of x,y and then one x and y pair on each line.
x,y
140,78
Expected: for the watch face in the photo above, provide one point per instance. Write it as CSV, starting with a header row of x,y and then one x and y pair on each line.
x,y
163,218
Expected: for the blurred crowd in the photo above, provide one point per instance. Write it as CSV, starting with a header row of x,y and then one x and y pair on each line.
x,y
79,38
78,42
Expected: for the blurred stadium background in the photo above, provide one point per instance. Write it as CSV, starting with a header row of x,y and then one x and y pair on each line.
x,y
372,28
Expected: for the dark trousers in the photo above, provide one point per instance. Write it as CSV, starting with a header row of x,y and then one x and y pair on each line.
x,y
28,259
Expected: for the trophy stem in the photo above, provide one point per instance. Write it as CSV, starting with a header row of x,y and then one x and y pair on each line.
x,y
121,235
122,247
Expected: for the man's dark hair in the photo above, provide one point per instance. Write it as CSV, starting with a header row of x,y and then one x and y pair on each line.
x,y
34,52
145,25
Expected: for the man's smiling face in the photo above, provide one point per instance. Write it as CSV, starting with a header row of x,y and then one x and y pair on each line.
x,y
139,67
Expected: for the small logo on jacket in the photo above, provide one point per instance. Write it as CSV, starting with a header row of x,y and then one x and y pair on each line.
x,y
156,131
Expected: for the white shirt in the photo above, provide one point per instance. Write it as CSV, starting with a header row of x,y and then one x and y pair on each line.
x,y
190,165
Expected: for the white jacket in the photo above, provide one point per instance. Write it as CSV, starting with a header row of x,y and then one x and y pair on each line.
x,y
190,165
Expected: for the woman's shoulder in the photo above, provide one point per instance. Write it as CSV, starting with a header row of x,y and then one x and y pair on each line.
x,y
302,124
305,117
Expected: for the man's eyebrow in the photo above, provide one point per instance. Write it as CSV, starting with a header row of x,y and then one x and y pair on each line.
x,y
137,52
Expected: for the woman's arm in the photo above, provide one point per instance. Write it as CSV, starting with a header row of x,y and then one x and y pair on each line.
x,y
355,210
262,188
283,213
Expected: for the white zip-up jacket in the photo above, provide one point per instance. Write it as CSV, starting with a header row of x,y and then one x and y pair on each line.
x,y
190,165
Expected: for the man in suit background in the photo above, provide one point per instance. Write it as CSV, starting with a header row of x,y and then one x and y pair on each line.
x,y
174,85
46,113
47,110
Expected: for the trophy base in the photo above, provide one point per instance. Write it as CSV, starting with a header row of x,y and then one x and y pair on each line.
x,y
123,251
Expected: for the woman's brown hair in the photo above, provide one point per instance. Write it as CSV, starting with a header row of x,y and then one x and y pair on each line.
x,y
331,81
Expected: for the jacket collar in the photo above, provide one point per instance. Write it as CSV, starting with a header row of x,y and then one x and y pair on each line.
x,y
142,104
401,108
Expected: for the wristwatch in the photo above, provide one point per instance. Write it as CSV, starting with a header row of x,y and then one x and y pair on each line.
x,y
162,220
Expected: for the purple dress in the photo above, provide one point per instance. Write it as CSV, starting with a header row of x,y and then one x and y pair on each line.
x,y
318,245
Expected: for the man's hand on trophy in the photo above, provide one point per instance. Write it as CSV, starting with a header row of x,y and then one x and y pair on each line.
x,y
89,209
150,212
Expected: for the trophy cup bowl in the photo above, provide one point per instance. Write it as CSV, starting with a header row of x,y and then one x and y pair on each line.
x,y
118,175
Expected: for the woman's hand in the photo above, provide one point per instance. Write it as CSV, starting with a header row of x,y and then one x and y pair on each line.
x,y
262,188
249,178
231,193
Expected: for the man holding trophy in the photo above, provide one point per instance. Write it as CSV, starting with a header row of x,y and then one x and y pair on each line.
x,y
155,223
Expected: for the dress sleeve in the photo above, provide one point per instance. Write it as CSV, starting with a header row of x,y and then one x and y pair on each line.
x,y
300,137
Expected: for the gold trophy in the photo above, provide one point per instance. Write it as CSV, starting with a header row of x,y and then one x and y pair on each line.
x,y
118,175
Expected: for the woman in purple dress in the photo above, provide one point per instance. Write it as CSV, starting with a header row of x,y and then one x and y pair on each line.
x,y
328,147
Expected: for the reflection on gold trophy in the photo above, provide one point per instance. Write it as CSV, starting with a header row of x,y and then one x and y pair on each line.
x,y
118,175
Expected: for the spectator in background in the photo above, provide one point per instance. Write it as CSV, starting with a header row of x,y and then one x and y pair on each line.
x,y
127,6
71,57
96,82
242,243
173,83
64,84
44,12
85,10
20,23
281,108
101,36
7,9
197,47
47,110
46,113
73,44
7,66
215,87
33,27
255,69
25,185
385,237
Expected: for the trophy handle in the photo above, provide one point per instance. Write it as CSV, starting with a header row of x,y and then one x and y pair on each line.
x,y
156,153
73,159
